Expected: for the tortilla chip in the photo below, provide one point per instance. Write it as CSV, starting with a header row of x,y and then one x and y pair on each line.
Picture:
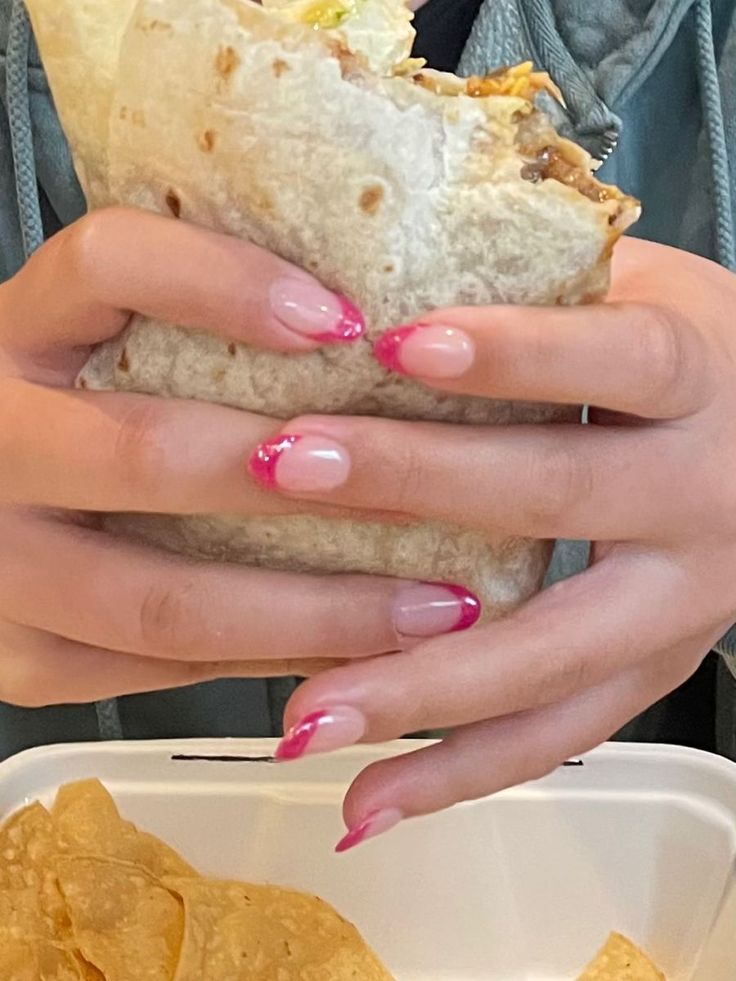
x,y
85,896
28,842
28,948
621,960
239,931
29,847
89,822
29,960
123,921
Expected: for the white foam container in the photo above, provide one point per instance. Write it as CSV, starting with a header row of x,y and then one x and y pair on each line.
x,y
525,885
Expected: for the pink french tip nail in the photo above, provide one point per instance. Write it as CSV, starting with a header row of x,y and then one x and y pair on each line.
x,y
387,349
308,309
377,823
300,464
470,607
262,465
430,609
350,327
431,351
323,731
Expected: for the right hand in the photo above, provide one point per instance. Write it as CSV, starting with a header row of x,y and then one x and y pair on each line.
x,y
85,616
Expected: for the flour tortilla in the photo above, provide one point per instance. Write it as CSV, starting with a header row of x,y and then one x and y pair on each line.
x,y
249,122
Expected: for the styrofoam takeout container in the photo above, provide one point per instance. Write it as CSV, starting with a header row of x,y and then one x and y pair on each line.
x,y
525,885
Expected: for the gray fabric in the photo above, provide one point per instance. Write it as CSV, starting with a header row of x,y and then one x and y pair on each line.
x,y
21,134
623,65
724,197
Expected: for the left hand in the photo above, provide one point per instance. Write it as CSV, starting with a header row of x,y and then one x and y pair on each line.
x,y
652,482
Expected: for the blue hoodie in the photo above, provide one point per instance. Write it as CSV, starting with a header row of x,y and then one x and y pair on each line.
x,y
650,87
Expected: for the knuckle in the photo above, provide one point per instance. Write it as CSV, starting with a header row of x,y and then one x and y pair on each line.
x,y
664,358
561,479
89,245
173,622
139,445
564,672
406,485
85,240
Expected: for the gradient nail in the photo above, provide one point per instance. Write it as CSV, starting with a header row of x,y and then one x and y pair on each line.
x,y
427,609
301,464
314,312
377,823
322,732
426,351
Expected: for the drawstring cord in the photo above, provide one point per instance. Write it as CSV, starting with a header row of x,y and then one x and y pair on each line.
x,y
21,135
710,91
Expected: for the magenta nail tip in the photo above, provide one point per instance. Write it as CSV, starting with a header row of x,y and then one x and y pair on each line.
x,y
355,836
296,741
471,607
262,465
350,328
376,823
387,349
352,323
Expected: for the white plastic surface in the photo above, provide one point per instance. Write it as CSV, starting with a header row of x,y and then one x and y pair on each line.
x,y
526,885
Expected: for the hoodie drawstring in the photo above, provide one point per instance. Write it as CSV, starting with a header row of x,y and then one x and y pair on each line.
x,y
712,102
21,135
29,209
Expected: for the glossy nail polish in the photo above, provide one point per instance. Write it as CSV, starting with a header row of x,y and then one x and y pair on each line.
x,y
377,823
322,732
314,312
300,464
433,351
427,609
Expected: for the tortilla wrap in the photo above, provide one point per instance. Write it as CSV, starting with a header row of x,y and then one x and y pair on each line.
x,y
304,129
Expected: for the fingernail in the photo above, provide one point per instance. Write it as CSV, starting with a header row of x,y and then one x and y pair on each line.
x,y
429,609
426,351
322,732
377,823
314,312
300,464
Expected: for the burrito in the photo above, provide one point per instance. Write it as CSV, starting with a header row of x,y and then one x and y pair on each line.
x,y
306,127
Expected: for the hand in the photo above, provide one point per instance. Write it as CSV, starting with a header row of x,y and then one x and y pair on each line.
x,y
652,481
84,616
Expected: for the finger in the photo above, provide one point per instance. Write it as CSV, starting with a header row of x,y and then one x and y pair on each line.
x,y
629,357
485,758
39,669
576,635
97,590
122,452
580,482
111,451
81,287
106,451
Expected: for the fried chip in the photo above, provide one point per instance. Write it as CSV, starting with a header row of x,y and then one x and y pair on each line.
x,y
29,847
90,824
621,960
124,921
31,959
28,844
235,931
85,896
28,948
